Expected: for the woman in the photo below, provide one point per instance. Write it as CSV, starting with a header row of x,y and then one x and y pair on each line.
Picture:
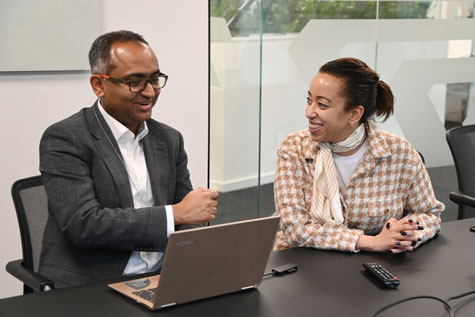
x,y
343,184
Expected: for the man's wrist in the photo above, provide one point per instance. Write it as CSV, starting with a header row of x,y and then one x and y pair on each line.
x,y
177,212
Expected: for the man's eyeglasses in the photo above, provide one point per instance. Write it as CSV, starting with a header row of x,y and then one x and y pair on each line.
x,y
139,85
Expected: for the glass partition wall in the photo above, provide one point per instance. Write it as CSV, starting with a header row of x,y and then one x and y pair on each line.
x,y
264,54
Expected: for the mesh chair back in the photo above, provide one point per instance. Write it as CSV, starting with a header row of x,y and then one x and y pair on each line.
x,y
31,204
461,141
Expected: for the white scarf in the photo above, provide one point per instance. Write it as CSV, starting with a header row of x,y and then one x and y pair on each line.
x,y
326,204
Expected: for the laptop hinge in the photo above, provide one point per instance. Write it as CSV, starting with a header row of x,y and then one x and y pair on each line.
x,y
247,287
167,305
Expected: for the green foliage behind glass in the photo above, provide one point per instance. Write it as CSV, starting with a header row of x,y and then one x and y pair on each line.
x,y
287,16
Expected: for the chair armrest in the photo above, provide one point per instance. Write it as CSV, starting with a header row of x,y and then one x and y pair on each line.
x,y
28,277
462,199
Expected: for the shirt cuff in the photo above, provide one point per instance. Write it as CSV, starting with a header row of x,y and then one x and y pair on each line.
x,y
170,222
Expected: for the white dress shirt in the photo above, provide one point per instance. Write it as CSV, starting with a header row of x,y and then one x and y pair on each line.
x,y
131,147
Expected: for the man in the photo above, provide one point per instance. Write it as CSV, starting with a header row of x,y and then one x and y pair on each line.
x,y
117,180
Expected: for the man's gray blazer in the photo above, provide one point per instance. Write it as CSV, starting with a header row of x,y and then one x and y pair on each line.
x,y
92,226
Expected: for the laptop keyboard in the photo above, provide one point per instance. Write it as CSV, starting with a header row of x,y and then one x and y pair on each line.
x,y
147,294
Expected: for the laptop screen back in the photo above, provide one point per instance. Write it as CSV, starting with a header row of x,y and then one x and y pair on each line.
x,y
215,260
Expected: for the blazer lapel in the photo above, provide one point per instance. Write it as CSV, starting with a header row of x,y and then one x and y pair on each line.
x,y
109,151
156,156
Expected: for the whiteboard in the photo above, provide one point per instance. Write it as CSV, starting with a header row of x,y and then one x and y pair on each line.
x,y
47,35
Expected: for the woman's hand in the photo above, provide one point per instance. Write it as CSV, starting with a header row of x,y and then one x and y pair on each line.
x,y
396,236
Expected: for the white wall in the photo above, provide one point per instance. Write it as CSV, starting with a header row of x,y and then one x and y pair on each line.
x,y
177,30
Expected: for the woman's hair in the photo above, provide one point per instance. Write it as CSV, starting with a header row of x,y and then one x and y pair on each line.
x,y
361,86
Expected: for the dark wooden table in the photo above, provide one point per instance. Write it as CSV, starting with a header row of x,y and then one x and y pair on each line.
x,y
326,284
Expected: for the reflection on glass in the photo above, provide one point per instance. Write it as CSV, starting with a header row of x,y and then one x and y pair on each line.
x,y
421,48
234,110
456,105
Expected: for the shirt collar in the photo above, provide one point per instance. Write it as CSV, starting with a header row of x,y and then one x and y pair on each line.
x,y
118,129
377,144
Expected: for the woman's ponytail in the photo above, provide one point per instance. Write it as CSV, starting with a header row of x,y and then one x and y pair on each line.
x,y
384,100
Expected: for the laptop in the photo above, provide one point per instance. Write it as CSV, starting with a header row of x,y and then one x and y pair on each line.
x,y
205,262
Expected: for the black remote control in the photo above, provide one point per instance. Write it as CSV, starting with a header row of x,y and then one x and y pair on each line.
x,y
383,275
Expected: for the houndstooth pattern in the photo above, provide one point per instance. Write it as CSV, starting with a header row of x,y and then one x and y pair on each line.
x,y
391,178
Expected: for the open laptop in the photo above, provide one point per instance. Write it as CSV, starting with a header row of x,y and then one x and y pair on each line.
x,y
205,262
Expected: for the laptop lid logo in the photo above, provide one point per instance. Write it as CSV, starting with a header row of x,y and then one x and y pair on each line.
x,y
185,243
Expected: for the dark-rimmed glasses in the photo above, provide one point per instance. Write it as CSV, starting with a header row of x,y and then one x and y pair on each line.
x,y
139,85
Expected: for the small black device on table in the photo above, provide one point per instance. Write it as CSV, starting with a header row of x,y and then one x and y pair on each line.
x,y
285,269
384,276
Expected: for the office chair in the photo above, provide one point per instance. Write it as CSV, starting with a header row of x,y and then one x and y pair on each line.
x,y
422,157
31,205
461,141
